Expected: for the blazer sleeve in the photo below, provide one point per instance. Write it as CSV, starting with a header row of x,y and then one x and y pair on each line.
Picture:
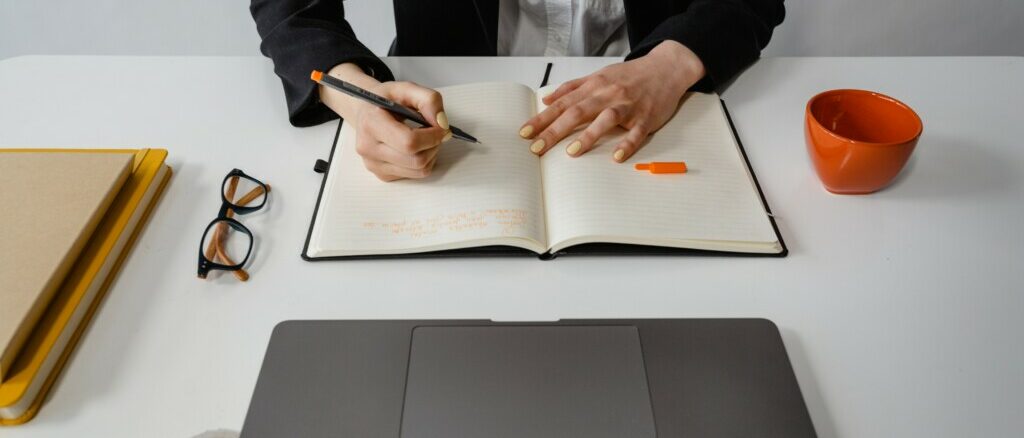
x,y
300,36
727,35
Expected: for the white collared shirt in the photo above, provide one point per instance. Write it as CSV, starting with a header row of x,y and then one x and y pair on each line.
x,y
562,28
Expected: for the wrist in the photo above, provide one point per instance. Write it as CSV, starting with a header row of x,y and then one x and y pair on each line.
x,y
684,67
346,106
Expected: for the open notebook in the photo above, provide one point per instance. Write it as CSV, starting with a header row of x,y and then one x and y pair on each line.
x,y
497,197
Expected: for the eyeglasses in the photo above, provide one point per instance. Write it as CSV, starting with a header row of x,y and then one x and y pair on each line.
x,y
221,253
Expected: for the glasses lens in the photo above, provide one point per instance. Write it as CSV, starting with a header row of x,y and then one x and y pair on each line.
x,y
226,245
241,191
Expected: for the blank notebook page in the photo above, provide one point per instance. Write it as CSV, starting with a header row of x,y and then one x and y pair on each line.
x,y
476,192
594,198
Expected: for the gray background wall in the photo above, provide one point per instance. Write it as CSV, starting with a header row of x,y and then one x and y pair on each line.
x,y
224,27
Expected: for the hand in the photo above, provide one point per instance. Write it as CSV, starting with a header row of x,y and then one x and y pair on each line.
x,y
390,149
639,95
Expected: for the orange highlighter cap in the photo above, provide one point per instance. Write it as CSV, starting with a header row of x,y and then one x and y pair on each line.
x,y
316,75
662,167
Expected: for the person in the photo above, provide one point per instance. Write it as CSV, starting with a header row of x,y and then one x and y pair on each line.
x,y
669,47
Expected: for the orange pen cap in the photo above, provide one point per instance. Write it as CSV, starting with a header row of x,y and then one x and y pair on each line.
x,y
662,167
316,75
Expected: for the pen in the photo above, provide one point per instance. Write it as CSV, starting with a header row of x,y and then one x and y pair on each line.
x,y
380,101
662,167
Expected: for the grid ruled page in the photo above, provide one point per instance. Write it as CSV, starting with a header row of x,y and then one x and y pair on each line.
x,y
487,193
715,205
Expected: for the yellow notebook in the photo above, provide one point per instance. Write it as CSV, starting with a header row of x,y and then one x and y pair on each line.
x,y
51,343
52,202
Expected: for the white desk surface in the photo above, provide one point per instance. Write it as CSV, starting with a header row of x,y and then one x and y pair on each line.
x,y
902,311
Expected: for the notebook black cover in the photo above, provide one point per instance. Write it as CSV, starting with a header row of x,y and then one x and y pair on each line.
x,y
591,249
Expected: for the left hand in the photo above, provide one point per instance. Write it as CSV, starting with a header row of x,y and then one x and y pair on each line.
x,y
640,95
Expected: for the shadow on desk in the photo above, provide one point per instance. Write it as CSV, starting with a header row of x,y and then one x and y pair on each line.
x,y
823,423
952,168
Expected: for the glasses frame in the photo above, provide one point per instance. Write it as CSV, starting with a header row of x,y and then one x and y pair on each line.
x,y
225,217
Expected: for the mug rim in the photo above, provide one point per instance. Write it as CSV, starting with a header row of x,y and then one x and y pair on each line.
x,y
823,94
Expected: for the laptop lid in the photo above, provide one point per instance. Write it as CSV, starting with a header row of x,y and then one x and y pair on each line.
x,y
367,379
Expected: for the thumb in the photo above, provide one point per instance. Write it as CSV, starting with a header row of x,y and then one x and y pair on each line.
x,y
428,102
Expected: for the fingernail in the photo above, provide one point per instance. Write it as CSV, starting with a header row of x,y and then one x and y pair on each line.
x,y
442,120
447,136
574,148
537,146
619,155
526,131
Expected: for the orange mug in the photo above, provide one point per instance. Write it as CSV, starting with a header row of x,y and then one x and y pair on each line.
x,y
859,140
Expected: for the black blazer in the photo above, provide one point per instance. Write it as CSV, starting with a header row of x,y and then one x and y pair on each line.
x,y
303,35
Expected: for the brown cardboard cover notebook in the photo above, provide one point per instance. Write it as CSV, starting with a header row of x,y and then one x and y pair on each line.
x,y
50,203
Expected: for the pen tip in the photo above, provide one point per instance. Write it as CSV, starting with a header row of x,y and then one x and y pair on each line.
x,y
316,75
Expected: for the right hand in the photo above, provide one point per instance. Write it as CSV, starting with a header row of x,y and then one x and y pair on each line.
x,y
391,150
